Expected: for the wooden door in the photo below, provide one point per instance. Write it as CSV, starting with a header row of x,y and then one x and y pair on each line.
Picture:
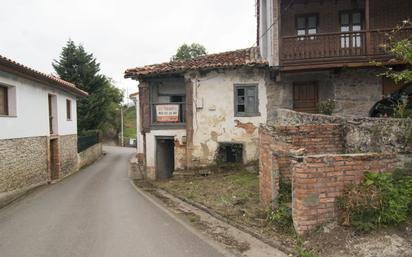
x,y
305,97
54,159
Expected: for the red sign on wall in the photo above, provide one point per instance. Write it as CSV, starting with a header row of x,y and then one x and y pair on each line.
x,y
167,113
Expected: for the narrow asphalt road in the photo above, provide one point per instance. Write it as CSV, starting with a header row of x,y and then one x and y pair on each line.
x,y
95,213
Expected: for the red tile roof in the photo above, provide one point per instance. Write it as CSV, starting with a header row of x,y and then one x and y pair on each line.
x,y
22,70
232,59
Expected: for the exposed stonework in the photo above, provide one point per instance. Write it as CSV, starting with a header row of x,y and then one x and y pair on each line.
x,y
23,162
360,134
354,90
68,154
180,155
248,127
90,155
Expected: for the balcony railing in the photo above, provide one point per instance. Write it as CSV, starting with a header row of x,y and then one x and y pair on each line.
x,y
337,46
168,113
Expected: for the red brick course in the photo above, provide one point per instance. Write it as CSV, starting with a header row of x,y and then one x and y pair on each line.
x,y
276,145
311,158
318,180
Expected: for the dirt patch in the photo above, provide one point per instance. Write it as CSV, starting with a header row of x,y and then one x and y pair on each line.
x,y
233,195
337,241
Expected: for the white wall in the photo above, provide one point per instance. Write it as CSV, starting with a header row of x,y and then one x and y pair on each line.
x,y
214,116
151,142
31,110
269,24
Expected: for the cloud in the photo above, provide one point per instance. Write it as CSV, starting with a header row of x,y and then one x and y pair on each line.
x,y
122,33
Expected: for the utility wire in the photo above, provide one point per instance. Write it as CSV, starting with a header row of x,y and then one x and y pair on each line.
x,y
275,21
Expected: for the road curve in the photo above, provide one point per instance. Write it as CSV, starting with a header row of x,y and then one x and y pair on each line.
x,y
95,213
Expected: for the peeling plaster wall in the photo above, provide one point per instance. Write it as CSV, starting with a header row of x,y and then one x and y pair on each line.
x,y
214,116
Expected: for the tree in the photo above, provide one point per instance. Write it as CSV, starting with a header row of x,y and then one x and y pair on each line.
x,y
401,50
81,68
189,51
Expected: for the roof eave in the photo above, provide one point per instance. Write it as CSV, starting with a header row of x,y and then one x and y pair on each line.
x,y
139,76
30,74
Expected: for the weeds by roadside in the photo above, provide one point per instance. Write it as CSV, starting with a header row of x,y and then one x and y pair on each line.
x,y
381,199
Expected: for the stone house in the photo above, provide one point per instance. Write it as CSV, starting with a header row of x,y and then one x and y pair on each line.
x,y
194,111
323,50
38,127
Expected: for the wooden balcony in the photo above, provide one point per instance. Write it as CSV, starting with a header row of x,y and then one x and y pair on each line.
x,y
339,49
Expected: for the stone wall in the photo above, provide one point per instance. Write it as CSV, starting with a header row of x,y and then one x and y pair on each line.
x,y
23,163
319,179
354,90
360,134
68,154
90,155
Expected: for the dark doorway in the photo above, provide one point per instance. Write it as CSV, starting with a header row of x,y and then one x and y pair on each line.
x,y
305,97
229,153
54,159
165,157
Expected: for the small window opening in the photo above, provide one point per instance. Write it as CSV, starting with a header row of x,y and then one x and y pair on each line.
x,y
229,153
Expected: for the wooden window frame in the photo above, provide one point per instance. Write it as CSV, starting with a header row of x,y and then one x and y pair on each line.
x,y
256,112
306,16
6,101
351,12
68,109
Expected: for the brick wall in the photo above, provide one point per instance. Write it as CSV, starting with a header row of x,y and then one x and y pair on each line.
x,y
318,180
268,183
278,143
315,138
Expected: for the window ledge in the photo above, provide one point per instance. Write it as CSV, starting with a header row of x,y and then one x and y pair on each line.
x,y
8,116
247,115
168,126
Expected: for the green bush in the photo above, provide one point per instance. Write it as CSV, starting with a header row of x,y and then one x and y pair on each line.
x,y
92,132
326,107
281,217
381,199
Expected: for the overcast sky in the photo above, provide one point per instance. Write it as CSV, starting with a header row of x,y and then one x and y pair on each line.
x,y
122,33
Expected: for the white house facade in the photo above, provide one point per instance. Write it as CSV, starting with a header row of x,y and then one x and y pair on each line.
x,y
38,127
199,112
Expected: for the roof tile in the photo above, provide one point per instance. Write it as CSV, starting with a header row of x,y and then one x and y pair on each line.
x,y
232,59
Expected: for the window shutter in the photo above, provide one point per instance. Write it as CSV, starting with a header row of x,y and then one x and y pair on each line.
x,y
145,115
251,100
3,101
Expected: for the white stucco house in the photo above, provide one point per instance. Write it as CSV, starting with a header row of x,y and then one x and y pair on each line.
x,y
197,112
38,127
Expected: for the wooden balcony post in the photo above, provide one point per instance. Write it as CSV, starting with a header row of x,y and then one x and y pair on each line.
x,y
368,28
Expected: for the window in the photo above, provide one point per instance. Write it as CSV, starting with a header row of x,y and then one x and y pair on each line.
x,y
246,100
4,105
229,153
68,109
305,96
307,25
351,22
